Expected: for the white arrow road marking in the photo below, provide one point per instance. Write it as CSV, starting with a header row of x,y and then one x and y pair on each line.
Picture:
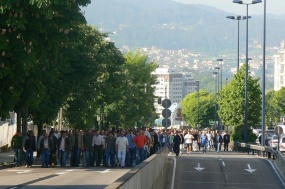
x,y
199,168
250,169
106,171
20,171
223,163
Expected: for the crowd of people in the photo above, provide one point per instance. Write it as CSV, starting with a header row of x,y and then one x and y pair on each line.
x,y
123,148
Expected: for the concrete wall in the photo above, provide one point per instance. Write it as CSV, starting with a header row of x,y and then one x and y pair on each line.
x,y
7,131
149,174
279,164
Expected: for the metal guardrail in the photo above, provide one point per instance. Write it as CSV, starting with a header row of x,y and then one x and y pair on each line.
x,y
253,148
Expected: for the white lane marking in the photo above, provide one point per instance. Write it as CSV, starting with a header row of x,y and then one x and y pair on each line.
x,y
223,163
61,173
199,168
13,187
250,169
173,174
277,173
69,170
106,171
20,171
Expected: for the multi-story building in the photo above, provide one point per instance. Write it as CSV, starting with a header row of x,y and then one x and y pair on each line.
x,y
173,86
279,68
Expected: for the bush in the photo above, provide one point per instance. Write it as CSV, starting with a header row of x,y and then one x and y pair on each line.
x,y
238,135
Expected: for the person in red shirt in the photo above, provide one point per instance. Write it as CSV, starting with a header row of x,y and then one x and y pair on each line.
x,y
140,141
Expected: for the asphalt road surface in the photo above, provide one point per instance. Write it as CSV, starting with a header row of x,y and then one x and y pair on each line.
x,y
53,178
225,170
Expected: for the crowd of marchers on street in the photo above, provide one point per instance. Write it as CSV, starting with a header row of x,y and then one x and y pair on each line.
x,y
123,148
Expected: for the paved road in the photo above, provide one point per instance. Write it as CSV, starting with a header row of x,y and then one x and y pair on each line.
x,y
225,170
45,178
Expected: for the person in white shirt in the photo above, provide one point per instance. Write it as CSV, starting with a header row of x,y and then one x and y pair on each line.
x,y
122,147
188,141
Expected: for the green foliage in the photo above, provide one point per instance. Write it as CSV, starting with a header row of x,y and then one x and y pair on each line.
x,y
238,134
231,101
205,110
272,110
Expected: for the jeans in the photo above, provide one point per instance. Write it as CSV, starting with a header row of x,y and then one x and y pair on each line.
x,y
18,156
139,155
88,158
45,157
62,156
29,157
76,156
204,147
122,157
110,153
218,146
130,156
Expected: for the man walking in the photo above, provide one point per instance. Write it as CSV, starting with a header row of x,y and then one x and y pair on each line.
x,y
140,141
63,147
76,142
176,144
16,145
45,147
97,146
226,141
29,146
122,146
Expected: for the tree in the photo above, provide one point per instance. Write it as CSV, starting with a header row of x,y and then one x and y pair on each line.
x,y
272,110
280,101
205,110
231,101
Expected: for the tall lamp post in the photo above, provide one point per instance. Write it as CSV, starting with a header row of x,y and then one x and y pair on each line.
x,y
218,92
238,18
198,96
215,74
221,62
246,69
263,77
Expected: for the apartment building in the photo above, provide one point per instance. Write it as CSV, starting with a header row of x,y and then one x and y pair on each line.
x,y
279,68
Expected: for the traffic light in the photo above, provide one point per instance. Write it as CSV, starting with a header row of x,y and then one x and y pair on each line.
x,y
159,100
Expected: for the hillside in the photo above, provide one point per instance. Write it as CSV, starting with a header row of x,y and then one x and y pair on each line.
x,y
172,25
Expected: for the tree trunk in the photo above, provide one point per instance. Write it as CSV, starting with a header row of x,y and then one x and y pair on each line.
x,y
19,119
25,119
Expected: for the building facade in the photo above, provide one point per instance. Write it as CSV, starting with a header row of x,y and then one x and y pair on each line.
x,y
173,86
279,68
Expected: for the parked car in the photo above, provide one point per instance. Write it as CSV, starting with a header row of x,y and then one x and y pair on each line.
x,y
282,144
273,142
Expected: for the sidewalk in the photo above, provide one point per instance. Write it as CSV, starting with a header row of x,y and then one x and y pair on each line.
x,y
7,157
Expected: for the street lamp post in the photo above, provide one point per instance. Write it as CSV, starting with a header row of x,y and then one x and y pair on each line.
x,y
216,76
246,69
238,18
263,77
198,96
221,62
218,91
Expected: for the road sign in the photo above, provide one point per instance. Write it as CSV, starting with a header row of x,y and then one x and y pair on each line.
x,y
166,103
166,122
278,131
166,113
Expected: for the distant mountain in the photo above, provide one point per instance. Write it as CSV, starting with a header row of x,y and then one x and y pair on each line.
x,y
172,25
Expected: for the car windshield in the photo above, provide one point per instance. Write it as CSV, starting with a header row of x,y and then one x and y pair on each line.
x,y
274,137
283,140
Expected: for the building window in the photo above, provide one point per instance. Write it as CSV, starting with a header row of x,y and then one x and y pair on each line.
x,y
281,80
282,68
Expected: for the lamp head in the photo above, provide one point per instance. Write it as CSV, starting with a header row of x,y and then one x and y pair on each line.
x,y
238,17
246,17
231,17
219,59
256,1
217,68
237,1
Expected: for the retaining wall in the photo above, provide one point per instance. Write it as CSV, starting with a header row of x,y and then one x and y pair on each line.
x,y
147,175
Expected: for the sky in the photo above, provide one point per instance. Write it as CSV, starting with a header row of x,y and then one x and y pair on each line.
x,y
272,6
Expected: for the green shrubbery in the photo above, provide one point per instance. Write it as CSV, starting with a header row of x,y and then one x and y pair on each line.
x,y
238,135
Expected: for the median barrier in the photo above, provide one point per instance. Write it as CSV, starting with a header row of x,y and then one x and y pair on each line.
x,y
147,175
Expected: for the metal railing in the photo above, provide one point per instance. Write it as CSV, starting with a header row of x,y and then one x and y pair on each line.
x,y
253,148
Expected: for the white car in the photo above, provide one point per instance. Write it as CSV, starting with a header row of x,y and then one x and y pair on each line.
x,y
282,144
273,142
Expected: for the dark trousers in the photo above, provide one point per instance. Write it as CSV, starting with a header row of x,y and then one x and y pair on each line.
x,y
29,157
98,154
226,146
130,156
75,157
52,157
176,149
